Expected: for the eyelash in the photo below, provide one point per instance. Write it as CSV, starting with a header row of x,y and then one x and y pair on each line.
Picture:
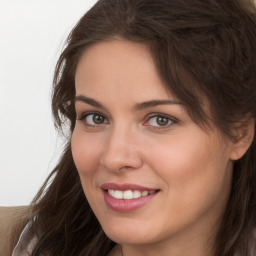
x,y
171,120
85,115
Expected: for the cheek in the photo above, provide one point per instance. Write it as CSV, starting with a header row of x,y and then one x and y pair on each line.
x,y
186,157
196,177
86,151
193,168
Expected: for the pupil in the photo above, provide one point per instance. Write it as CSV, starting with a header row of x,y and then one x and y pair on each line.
x,y
97,119
162,121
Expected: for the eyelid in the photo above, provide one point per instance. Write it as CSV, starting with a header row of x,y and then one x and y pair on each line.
x,y
171,118
83,116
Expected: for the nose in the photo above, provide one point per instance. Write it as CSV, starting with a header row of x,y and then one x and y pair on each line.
x,y
121,151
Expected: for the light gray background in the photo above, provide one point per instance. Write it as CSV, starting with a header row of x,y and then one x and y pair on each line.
x,y
32,34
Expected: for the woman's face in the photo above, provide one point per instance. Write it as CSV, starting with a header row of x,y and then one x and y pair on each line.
x,y
148,171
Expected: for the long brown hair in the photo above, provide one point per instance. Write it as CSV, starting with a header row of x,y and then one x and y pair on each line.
x,y
200,48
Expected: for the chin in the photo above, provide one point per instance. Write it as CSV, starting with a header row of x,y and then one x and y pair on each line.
x,y
130,234
129,238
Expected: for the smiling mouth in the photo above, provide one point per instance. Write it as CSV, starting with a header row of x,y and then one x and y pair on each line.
x,y
129,194
127,197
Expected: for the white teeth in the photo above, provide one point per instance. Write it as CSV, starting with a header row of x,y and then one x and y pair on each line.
x,y
111,192
144,193
136,194
119,194
128,194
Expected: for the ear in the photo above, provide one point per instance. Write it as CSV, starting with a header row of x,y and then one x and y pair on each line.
x,y
244,134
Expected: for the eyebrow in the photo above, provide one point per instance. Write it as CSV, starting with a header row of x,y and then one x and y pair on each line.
x,y
154,103
137,107
89,101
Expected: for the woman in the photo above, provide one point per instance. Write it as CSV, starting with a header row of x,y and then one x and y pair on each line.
x,y
158,98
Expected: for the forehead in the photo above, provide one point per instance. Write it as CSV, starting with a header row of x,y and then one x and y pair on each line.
x,y
122,73
119,66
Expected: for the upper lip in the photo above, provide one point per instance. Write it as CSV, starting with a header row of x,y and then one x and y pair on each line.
x,y
126,186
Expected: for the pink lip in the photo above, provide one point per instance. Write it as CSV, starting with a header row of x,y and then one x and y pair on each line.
x,y
124,205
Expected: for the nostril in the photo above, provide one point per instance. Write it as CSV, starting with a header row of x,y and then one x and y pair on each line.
x,y
121,161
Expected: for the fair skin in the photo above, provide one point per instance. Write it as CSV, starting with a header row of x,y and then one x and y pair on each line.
x,y
120,139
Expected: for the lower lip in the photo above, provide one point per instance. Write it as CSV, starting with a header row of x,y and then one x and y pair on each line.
x,y
126,205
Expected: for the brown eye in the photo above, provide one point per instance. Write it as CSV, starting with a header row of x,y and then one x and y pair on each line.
x,y
98,119
162,121
93,119
159,121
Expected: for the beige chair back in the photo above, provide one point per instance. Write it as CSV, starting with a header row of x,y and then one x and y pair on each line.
x,y
9,217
